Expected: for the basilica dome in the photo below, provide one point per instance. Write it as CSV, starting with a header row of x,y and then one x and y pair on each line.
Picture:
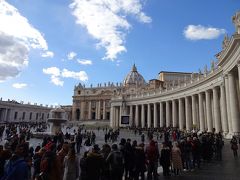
x,y
134,78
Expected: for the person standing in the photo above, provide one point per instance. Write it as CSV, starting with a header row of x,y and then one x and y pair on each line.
x,y
115,160
176,159
139,162
152,155
16,166
79,141
234,146
71,167
94,164
165,159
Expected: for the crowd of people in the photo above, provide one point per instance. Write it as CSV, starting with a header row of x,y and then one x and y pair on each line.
x,y
79,156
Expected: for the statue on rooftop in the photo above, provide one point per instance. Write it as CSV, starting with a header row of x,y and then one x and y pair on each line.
x,y
205,69
225,42
199,71
212,65
236,22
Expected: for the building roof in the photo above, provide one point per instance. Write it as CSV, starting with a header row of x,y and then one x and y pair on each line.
x,y
174,72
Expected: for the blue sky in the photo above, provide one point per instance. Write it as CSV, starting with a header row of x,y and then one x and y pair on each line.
x,y
48,46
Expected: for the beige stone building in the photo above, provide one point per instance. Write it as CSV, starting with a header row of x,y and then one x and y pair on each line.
x,y
13,111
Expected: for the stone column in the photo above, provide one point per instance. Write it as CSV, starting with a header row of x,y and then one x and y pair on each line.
x,y
161,115
89,110
99,110
238,65
96,110
201,113
188,115
167,114
174,112
131,116
120,115
136,116
223,109
209,111
216,111
155,115
116,117
1,114
112,117
5,115
149,115
181,113
143,116
82,110
228,106
194,111
234,104
104,109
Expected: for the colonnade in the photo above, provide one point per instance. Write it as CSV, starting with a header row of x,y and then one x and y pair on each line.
x,y
215,108
88,108
4,114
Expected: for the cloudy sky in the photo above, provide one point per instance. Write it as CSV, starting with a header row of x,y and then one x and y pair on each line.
x,y
48,46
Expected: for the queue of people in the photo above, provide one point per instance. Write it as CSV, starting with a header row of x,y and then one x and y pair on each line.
x,y
60,158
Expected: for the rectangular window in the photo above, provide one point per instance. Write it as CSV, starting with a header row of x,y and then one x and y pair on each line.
x,y
15,115
36,116
42,116
30,117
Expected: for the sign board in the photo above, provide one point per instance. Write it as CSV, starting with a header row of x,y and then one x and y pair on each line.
x,y
125,120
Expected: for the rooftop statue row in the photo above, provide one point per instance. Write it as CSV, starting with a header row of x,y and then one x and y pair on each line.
x,y
22,102
109,84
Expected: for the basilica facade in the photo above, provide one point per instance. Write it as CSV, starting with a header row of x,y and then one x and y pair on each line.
x,y
208,100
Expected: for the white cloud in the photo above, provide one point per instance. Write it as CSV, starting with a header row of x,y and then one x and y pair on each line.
x,y
13,56
84,61
81,75
48,54
17,37
71,55
56,80
54,71
57,74
19,85
198,32
106,21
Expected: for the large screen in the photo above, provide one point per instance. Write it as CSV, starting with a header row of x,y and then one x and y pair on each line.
x,y
125,120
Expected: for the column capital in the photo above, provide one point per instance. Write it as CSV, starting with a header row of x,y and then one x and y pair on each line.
x,y
193,95
230,73
216,87
207,91
225,76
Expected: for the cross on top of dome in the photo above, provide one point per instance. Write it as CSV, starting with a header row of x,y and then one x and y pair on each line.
x,y
134,69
